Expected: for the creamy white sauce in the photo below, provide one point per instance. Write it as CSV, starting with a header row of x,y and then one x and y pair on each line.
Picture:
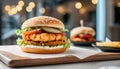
x,y
45,47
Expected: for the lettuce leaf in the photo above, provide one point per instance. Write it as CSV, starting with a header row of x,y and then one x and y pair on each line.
x,y
67,44
18,32
65,30
27,29
20,42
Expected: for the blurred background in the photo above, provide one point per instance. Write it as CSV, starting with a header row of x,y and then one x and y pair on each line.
x,y
14,12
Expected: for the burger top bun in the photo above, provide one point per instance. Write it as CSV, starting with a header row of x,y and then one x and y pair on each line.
x,y
86,30
43,21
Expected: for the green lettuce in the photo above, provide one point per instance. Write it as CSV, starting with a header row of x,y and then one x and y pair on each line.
x,y
66,30
67,44
20,42
18,32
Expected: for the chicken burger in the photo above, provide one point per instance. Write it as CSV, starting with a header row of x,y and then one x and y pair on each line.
x,y
43,34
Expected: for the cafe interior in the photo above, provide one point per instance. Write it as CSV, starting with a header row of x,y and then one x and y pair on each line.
x,y
103,17
14,12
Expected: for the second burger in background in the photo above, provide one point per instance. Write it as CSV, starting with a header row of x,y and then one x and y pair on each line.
x,y
82,34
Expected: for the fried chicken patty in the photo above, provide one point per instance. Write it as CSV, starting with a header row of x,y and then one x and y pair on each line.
x,y
51,43
44,38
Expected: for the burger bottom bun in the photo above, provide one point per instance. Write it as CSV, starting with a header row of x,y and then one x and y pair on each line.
x,y
43,50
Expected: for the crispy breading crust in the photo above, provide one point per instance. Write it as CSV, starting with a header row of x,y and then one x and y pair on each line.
x,y
43,38
51,43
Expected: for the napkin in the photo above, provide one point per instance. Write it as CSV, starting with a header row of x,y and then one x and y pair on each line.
x,y
80,53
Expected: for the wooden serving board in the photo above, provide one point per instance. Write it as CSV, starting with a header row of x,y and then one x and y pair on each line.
x,y
18,61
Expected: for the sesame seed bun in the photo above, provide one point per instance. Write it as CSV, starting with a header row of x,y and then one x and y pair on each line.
x,y
86,30
43,21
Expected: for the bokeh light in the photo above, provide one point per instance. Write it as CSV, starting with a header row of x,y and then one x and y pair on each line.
x,y
18,8
42,10
32,4
10,13
82,10
21,3
94,1
28,9
118,4
13,10
78,5
7,8
60,9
